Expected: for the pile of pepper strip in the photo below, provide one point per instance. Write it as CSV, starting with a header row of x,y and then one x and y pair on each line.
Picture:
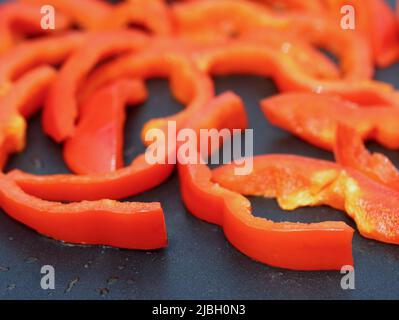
x,y
94,63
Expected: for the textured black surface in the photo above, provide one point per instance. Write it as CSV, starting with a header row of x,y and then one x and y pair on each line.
x,y
198,263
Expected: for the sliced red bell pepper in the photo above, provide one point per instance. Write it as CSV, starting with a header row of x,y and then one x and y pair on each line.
x,y
129,225
316,246
350,152
88,14
97,145
61,109
375,20
209,20
373,206
190,86
314,118
153,15
314,6
23,99
225,110
18,19
29,54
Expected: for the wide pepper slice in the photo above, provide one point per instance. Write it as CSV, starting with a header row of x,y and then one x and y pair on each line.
x,y
61,108
97,145
314,118
316,246
137,177
373,206
19,19
105,222
351,152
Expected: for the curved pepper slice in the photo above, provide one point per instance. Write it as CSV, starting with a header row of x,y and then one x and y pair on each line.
x,y
22,100
88,14
61,109
207,20
316,246
29,54
314,118
373,206
190,86
129,225
19,19
315,6
350,152
239,57
153,15
97,145
136,178
376,20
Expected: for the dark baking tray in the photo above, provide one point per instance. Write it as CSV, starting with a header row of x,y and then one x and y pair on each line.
x,y
198,263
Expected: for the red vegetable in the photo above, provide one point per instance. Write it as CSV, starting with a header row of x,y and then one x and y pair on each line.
x,y
129,225
97,145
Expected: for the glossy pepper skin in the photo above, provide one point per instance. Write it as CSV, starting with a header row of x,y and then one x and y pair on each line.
x,y
351,152
238,57
97,145
314,118
188,84
317,246
19,19
210,21
138,177
61,108
298,182
105,222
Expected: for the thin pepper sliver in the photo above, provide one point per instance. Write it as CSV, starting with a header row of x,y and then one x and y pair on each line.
x,y
105,222
97,145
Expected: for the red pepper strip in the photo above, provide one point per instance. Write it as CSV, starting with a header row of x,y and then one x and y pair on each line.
x,y
317,246
97,145
18,19
314,118
129,225
245,57
22,100
190,86
136,178
30,54
350,152
373,206
153,15
376,20
61,109
235,18
314,6
88,14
